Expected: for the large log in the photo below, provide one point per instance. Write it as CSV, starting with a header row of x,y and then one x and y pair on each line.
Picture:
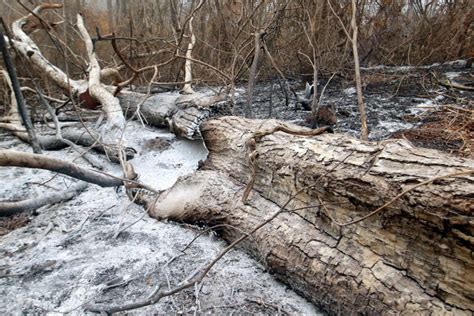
x,y
414,256
181,114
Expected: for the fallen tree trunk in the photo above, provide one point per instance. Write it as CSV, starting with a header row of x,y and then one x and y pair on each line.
x,y
182,115
412,255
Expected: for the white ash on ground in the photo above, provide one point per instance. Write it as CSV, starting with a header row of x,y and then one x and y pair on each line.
x,y
69,254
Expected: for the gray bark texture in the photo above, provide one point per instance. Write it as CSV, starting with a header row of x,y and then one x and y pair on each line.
x,y
11,208
415,256
182,115
12,158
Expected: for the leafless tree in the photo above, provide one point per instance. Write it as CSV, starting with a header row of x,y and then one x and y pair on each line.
x,y
353,39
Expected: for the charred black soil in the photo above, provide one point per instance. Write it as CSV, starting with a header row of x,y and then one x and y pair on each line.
x,y
399,103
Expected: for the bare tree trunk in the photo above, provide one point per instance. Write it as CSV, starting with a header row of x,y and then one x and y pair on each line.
x,y
360,98
188,74
253,72
124,9
315,101
413,255
79,5
31,52
20,102
353,39
118,17
112,131
110,15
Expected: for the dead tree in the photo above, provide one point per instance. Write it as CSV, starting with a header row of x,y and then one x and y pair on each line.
x,y
11,158
188,75
253,71
366,228
364,131
111,131
182,116
15,86
355,227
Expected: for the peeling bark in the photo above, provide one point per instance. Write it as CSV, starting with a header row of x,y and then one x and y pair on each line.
x,y
413,257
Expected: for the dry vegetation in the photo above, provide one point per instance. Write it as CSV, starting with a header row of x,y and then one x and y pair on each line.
x,y
391,32
147,41
450,129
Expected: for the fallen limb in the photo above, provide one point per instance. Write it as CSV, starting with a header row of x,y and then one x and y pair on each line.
x,y
182,119
196,277
13,158
111,137
12,208
31,52
85,154
455,85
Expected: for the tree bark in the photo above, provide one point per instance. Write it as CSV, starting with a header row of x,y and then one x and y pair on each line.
x,y
183,115
253,72
364,131
414,256
20,102
188,72
11,208
28,48
11,158
112,131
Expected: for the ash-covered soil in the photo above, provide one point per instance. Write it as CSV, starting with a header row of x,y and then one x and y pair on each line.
x,y
99,247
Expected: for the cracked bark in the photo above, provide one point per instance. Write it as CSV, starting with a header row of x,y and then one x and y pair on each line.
x,y
182,115
414,257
